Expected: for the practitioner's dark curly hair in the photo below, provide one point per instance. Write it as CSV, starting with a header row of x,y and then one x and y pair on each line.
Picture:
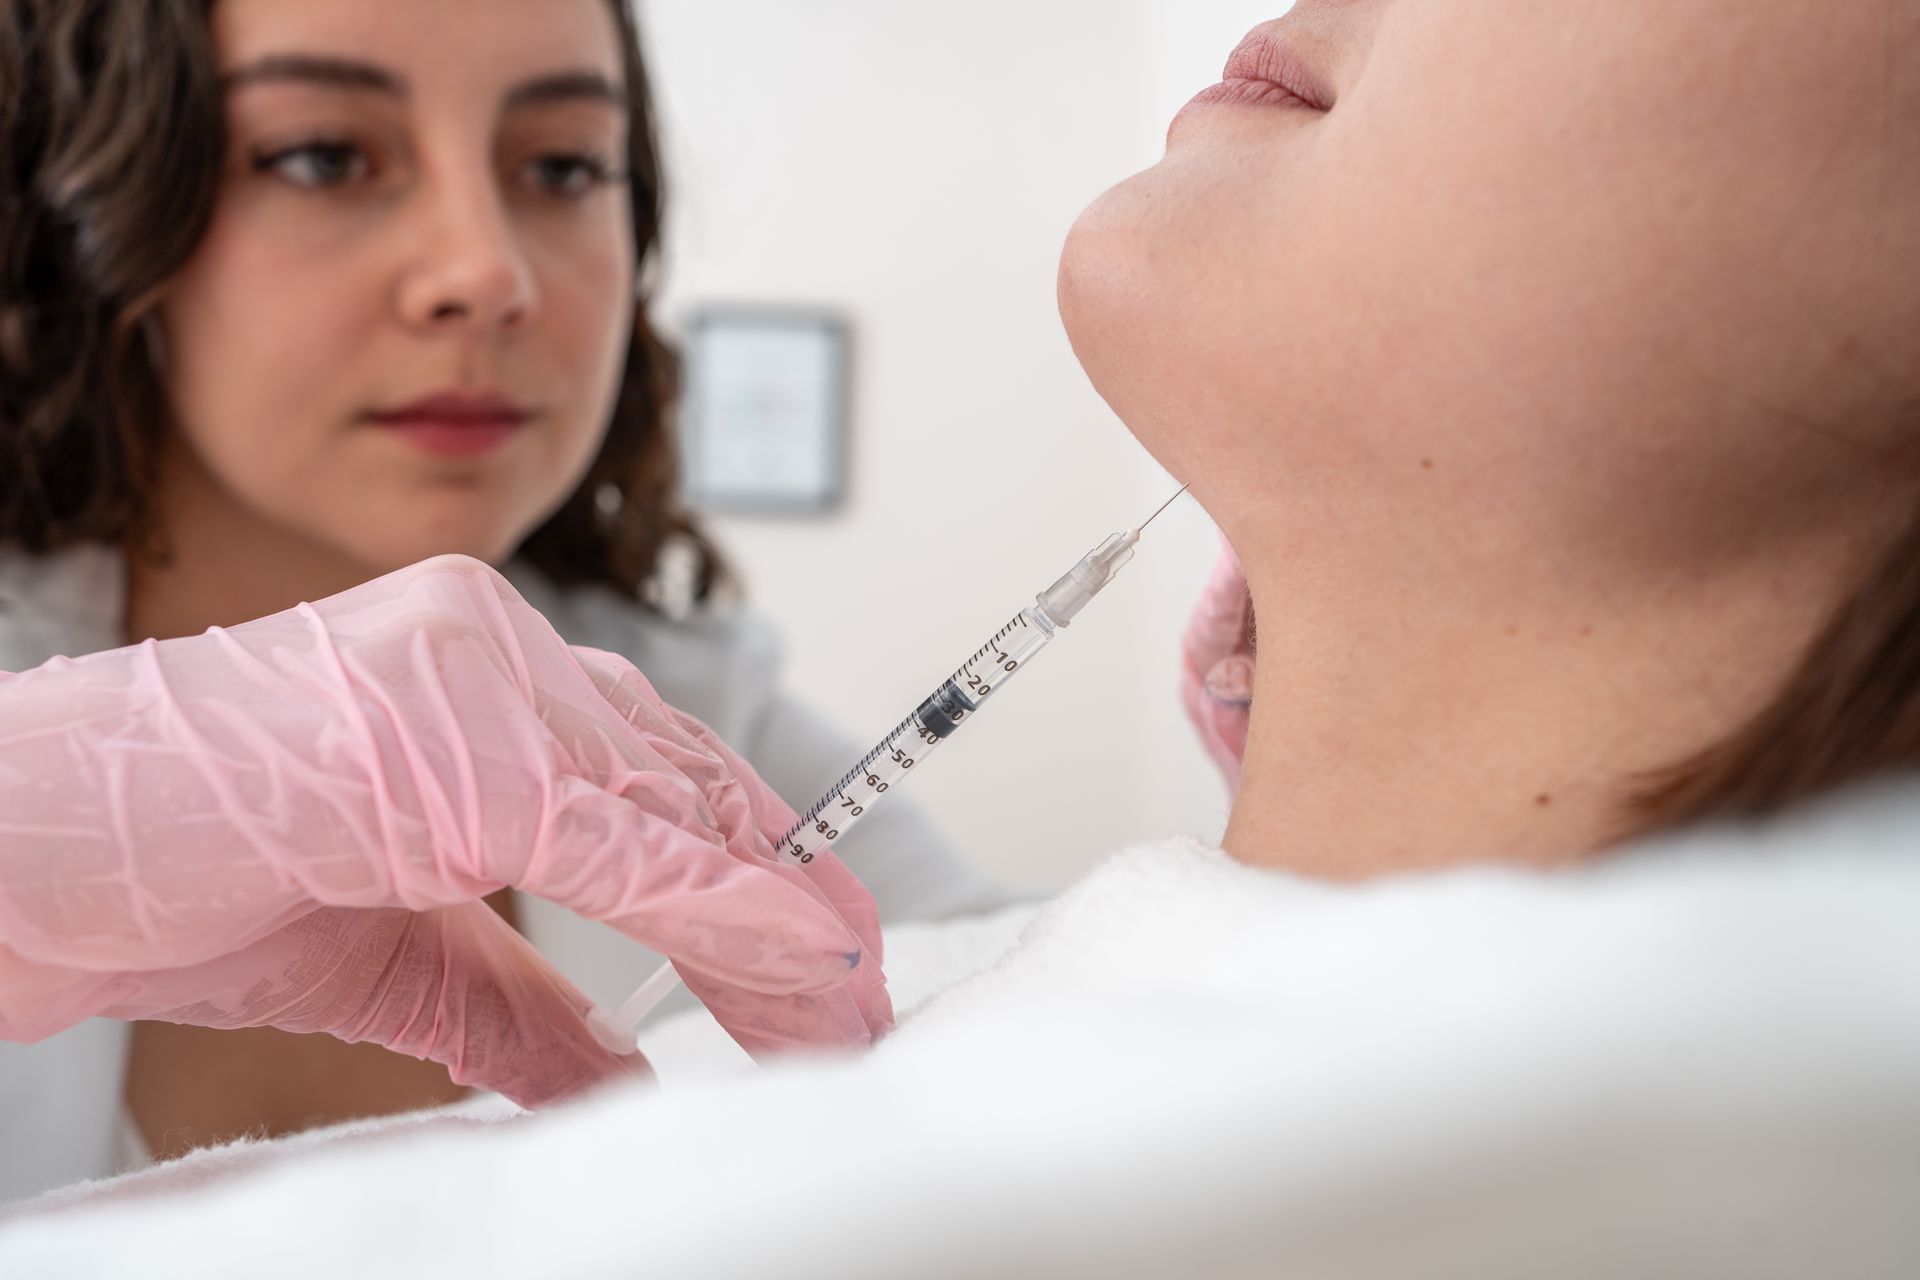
x,y
111,141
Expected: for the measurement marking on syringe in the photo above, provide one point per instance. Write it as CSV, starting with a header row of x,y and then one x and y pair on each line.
x,y
938,716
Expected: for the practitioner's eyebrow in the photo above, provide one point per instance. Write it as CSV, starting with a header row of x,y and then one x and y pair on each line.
x,y
328,71
316,69
566,86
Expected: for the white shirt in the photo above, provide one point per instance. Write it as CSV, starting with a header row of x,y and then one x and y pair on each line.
x,y
61,1117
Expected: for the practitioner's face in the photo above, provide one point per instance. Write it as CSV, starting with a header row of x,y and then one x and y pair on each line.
x,y
1535,263
419,199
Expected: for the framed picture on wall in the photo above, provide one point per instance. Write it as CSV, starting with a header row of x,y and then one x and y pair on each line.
x,y
765,412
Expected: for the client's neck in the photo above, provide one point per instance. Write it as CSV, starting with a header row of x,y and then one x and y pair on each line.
x,y
1417,725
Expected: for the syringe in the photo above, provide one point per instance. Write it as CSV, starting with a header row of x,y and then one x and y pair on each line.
x,y
934,721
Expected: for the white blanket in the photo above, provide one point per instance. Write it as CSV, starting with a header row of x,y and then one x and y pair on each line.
x,y
1700,1059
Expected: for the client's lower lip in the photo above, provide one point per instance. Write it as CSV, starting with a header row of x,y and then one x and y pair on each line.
x,y
453,436
1251,93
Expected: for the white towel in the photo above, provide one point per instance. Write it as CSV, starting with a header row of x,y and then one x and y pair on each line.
x,y
1699,1059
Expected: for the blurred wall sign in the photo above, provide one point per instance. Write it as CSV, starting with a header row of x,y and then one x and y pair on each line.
x,y
765,414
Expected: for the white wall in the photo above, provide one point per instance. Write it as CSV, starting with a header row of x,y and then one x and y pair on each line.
x,y
916,167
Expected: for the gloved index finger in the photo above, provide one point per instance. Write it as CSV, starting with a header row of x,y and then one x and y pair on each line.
x,y
649,861
826,874
747,817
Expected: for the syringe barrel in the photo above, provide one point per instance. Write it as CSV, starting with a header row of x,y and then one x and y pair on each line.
x,y
937,717
941,713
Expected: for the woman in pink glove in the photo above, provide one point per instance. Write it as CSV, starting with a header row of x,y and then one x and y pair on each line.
x,y
1553,370
292,296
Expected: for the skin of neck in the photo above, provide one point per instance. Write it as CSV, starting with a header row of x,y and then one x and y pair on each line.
x,y
224,563
1415,709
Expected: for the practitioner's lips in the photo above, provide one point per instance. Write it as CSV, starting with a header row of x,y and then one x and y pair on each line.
x,y
1266,71
460,423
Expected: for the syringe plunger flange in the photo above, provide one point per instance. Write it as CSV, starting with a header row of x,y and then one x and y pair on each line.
x,y
1067,597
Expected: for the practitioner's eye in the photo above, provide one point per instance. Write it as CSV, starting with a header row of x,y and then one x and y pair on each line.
x,y
570,174
317,165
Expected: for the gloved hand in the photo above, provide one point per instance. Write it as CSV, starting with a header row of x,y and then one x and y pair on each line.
x,y
290,823
1216,664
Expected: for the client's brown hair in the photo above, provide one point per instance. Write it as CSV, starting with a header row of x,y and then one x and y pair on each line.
x,y
1850,710
111,138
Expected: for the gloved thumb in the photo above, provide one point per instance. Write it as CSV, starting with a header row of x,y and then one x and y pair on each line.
x,y
1222,618
1217,666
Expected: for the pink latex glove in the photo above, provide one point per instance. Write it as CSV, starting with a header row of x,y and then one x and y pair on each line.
x,y
1216,664
290,823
